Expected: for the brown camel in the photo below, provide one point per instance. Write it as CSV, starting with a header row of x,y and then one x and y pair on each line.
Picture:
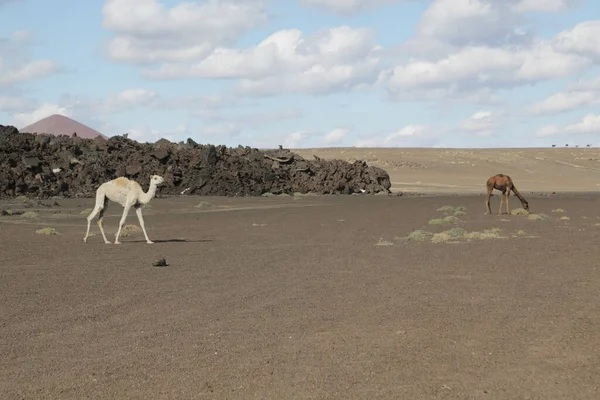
x,y
504,184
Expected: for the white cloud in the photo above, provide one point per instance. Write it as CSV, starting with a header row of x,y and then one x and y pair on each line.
x,y
252,120
3,2
21,120
301,138
15,66
208,107
483,123
590,124
221,131
577,95
348,6
148,31
475,68
468,22
143,134
22,37
289,140
128,99
448,25
464,47
114,103
543,5
27,111
147,134
583,39
296,139
16,104
338,58
182,129
33,70
565,101
335,136
583,85
409,136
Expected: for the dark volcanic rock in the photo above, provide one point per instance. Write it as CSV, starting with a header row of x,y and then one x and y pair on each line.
x,y
5,130
44,166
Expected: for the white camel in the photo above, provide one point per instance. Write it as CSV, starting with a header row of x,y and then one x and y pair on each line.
x,y
127,193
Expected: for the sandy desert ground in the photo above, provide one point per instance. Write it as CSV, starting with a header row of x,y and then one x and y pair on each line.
x,y
428,170
318,297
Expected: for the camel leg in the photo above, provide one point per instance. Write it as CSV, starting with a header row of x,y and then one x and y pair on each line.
x,y
99,209
507,202
122,221
99,206
501,202
90,217
488,210
100,224
138,211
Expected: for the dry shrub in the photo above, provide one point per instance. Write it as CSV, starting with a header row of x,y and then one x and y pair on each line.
x,y
448,235
493,233
129,230
451,219
558,210
441,237
452,209
29,215
564,217
419,236
538,217
456,232
204,204
46,231
519,211
87,211
383,242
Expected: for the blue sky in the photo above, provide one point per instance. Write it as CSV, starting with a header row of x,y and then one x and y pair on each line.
x,y
308,73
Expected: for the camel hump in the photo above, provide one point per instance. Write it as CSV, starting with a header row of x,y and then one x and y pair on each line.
x,y
122,182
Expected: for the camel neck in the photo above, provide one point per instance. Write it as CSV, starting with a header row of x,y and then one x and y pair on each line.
x,y
149,195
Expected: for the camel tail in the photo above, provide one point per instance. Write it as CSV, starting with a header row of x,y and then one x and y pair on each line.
x,y
520,196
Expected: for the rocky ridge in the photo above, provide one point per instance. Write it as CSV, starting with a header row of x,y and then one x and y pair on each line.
x,y
42,166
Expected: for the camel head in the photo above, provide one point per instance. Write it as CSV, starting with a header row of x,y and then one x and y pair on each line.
x,y
156,180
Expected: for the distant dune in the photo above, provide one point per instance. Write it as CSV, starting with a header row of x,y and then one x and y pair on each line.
x,y
466,170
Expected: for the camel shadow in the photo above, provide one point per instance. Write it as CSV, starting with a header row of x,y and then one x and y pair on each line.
x,y
174,241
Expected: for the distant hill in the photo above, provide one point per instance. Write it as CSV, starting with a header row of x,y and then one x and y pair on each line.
x,y
61,125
